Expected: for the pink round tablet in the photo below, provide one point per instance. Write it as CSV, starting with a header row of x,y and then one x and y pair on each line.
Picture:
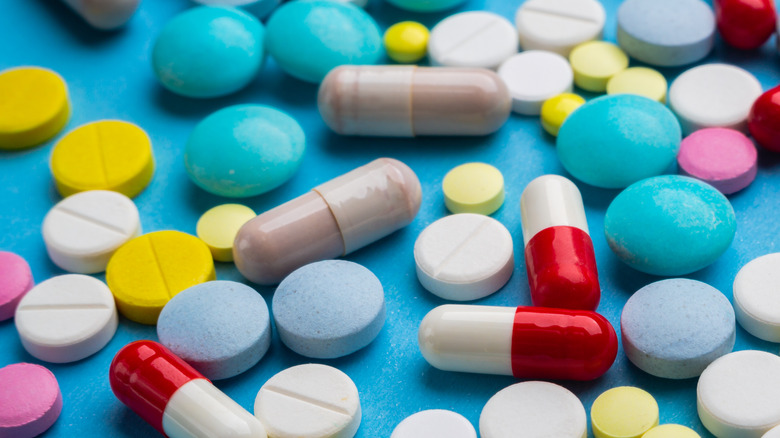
x,y
15,280
724,158
30,400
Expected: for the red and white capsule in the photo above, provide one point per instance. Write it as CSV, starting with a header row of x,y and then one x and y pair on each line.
x,y
174,398
559,253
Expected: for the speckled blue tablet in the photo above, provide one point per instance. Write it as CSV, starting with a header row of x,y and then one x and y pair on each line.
x,y
308,38
669,225
614,141
329,309
675,328
221,328
209,51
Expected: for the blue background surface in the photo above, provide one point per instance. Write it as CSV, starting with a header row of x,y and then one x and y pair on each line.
x,y
109,76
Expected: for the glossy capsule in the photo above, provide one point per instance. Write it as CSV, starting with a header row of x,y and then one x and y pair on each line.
x,y
745,24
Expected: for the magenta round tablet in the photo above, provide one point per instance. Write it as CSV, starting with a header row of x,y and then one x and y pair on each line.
x,y
722,157
15,280
30,400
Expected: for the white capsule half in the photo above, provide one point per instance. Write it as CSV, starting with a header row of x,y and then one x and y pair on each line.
x,y
550,201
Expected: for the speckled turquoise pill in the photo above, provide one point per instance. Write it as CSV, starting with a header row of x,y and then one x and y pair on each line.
x,y
669,225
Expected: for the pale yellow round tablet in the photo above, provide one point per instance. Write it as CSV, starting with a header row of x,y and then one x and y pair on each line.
x,y
473,188
623,412
217,228
671,431
595,62
641,81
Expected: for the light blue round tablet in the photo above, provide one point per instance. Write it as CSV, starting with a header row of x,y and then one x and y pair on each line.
x,y
666,32
669,225
616,140
329,309
675,328
244,150
209,51
425,5
307,38
221,328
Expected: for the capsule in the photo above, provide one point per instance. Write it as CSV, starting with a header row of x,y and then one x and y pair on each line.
x,y
745,24
334,219
407,101
525,342
104,14
559,256
174,398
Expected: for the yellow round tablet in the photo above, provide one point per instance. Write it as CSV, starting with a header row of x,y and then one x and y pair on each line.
x,y
595,62
406,42
671,431
473,188
641,81
218,227
34,106
105,155
623,412
146,272
556,109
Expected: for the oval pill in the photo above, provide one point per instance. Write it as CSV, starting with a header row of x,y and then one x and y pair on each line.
x,y
15,281
559,25
472,39
722,157
473,188
219,226
534,76
434,423
406,42
764,120
557,109
106,14
31,400
641,81
623,412
595,63
745,24
756,301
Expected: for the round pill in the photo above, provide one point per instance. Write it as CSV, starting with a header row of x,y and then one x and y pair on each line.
x,y
66,318
556,110
434,423
473,188
329,309
312,401
104,155
219,226
675,328
764,119
192,53
244,150
309,38
15,280
538,409
558,25
714,95
146,272
623,412
533,77
773,433
595,62
34,107
737,394
671,431
641,81
669,225
258,8
472,39
31,400
722,157
614,141
666,32
84,230
756,301
221,328
406,42
745,24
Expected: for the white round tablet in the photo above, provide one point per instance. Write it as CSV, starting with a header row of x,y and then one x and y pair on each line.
x,y
559,25
737,395
538,409
84,230
464,256
434,423
533,77
713,95
472,39
773,433
311,401
66,318
757,297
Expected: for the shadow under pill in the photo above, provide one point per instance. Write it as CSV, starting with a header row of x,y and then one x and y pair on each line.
x,y
87,35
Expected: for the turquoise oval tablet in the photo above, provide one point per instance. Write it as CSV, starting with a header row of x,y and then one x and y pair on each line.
x,y
244,150
614,141
425,5
307,38
669,225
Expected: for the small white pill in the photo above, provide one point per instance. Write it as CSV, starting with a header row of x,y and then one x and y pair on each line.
x,y
66,318
533,77
773,433
756,297
434,423
472,39
559,25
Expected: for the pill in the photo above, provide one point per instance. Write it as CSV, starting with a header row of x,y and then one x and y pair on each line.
x,y
722,157
666,33
146,272
559,25
218,227
538,409
764,120
434,423
83,231
244,150
736,395
675,328
221,328
104,14
745,24
534,76
714,95
473,188
66,318
671,431
173,397
425,5
311,401
525,342
31,400
641,81
559,255
259,8
472,39
405,101
623,412
464,257
406,42
773,433
669,225
333,219
595,63
557,109
15,280
329,309
34,108
756,301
